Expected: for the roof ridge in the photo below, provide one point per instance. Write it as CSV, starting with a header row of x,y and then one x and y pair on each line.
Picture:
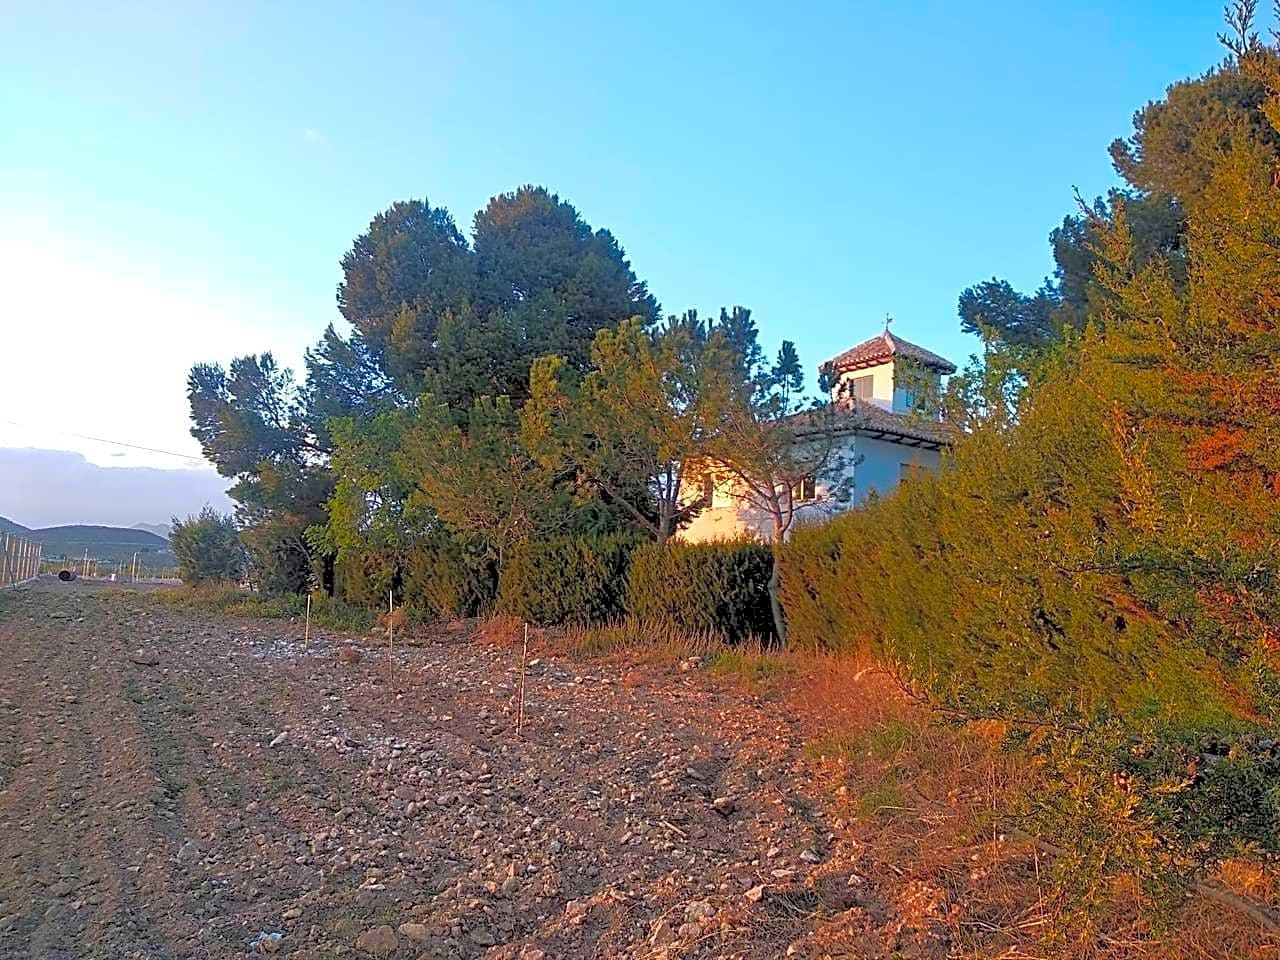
x,y
884,346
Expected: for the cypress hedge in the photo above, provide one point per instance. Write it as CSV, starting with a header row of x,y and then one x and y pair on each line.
x,y
566,580
441,580
704,588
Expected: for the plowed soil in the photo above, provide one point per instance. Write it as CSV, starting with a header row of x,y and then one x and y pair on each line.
x,y
179,786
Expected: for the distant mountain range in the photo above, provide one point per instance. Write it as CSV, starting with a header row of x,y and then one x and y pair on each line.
x,y
8,526
159,529
101,543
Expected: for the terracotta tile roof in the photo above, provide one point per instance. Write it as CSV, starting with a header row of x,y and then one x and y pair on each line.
x,y
885,347
869,419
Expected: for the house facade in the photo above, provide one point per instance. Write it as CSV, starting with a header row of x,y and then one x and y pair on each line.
x,y
887,430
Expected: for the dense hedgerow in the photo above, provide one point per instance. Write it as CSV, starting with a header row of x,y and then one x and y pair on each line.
x,y
433,579
364,578
706,588
1016,579
573,580
441,580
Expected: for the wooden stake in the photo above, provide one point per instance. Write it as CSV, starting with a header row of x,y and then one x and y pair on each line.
x,y
524,659
306,631
391,629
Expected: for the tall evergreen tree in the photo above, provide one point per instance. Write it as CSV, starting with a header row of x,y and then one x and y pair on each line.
x,y
1166,163
410,268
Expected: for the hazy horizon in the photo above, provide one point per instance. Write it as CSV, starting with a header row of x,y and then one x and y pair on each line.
x,y
49,488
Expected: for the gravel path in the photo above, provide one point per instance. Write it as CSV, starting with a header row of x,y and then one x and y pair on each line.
x,y
173,785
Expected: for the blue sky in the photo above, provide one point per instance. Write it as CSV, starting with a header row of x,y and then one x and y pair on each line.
x,y
179,181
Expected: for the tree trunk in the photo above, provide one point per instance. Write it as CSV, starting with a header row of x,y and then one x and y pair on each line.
x,y
775,604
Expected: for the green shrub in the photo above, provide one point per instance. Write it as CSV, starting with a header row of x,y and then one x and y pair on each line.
x,y
364,578
280,559
1012,581
208,548
704,588
440,580
574,580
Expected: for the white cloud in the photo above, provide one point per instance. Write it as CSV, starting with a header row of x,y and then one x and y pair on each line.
x,y
42,488
93,345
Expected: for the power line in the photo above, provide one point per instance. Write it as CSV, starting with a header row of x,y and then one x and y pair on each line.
x,y
116,443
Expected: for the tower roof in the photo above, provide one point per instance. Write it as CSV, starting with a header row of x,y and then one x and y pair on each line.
x,y
883,348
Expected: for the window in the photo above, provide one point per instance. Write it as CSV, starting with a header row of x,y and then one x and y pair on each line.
x,y
806,490
862,388
909,471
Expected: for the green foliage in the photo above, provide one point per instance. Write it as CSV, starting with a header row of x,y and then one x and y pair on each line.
x,y
1216,790
279,555
442,580
1168,164
567,580
364,578
764,435
552,279
272,437
208,548
1178,142
411,266
251,414
346,378
630,429
1155,802
463,321
1006,583
1096,562
479,478
431,314
719,589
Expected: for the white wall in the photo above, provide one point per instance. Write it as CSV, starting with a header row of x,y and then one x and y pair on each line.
x,y
885,391
881,383
879,465
876,466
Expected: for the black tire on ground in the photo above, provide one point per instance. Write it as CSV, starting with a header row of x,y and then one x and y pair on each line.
x,y
66,576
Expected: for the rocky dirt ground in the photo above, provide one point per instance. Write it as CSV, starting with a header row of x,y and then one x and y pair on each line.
x,y
182,785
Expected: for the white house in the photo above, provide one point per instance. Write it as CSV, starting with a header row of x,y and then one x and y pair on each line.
x,y
887,430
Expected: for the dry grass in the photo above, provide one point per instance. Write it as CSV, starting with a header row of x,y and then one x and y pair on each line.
x,y
636,641
234,601
928,800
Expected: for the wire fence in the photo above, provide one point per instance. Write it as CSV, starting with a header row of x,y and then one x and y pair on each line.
x,y
23,560
20,560
135,569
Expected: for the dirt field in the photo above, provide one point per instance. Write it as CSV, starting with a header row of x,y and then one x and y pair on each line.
x,y
179,786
